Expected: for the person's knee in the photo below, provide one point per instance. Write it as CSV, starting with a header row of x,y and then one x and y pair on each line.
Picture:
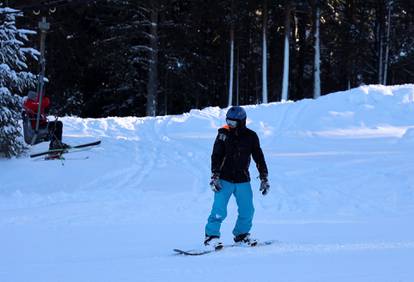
x,y
218,214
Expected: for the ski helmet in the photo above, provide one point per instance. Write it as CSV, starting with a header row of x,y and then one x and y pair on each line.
x,y
236,113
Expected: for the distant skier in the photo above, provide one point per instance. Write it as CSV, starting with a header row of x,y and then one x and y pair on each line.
x,y
50,130
230,160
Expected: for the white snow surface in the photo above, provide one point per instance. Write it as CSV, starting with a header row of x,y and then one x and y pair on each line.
x,y
341,204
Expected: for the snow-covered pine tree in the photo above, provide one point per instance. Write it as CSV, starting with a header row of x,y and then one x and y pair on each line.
x,y
13,80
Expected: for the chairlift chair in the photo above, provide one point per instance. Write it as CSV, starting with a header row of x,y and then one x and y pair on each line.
x,y
29,133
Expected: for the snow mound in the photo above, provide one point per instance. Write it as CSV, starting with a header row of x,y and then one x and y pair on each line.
x,y
336,154
342,194
408,136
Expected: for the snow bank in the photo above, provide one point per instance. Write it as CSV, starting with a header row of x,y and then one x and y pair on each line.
x,y
342,193
323,156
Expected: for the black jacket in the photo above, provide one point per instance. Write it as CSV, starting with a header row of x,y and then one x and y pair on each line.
x,y
232,152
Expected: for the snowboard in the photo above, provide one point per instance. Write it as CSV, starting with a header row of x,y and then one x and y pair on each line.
x,y
57,153
200,252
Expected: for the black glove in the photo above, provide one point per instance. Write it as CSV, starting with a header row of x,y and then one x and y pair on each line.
x,y
264,186
215,182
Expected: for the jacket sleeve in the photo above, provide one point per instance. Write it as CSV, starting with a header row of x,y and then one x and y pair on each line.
x,y
219,152
258,157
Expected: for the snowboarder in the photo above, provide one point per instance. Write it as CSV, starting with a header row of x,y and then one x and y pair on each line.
x,y
51,130
230,160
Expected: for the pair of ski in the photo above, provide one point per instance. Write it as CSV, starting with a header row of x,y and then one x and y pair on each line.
x,y
200,252
58,153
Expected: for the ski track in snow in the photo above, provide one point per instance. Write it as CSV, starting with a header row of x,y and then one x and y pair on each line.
x,y
145,156
149,146
285,248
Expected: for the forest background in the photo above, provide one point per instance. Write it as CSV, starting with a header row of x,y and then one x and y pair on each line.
x,y
146,58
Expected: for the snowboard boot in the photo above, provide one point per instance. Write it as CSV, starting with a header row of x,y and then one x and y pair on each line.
x,y
244,239
213,242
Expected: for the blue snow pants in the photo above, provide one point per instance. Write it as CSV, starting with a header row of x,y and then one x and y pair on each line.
x,y
244,198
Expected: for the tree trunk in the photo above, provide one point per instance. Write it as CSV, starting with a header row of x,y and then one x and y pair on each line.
x,y
317,55
350,42
231,68
152,86
238,77
380,60
387,43
285,83
301,51
380,17
264,54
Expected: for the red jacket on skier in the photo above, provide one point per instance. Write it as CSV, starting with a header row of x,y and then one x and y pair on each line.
x,y
54,128
31,106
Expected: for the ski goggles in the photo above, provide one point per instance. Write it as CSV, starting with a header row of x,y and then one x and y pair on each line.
x,y
231,122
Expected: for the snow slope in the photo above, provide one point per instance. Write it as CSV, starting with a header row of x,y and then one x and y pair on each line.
x,y
341,202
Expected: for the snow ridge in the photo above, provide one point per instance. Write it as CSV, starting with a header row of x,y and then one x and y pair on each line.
x,y
342,194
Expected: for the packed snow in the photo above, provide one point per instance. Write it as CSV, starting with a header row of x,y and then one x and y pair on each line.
x,y
341,204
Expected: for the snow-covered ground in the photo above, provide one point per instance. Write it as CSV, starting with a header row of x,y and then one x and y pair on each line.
x,y
341,203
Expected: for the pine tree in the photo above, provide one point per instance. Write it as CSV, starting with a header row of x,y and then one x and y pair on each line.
x,y
13,79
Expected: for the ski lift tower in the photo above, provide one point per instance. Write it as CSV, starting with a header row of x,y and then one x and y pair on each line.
x,y
41,8
44,27
44,8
